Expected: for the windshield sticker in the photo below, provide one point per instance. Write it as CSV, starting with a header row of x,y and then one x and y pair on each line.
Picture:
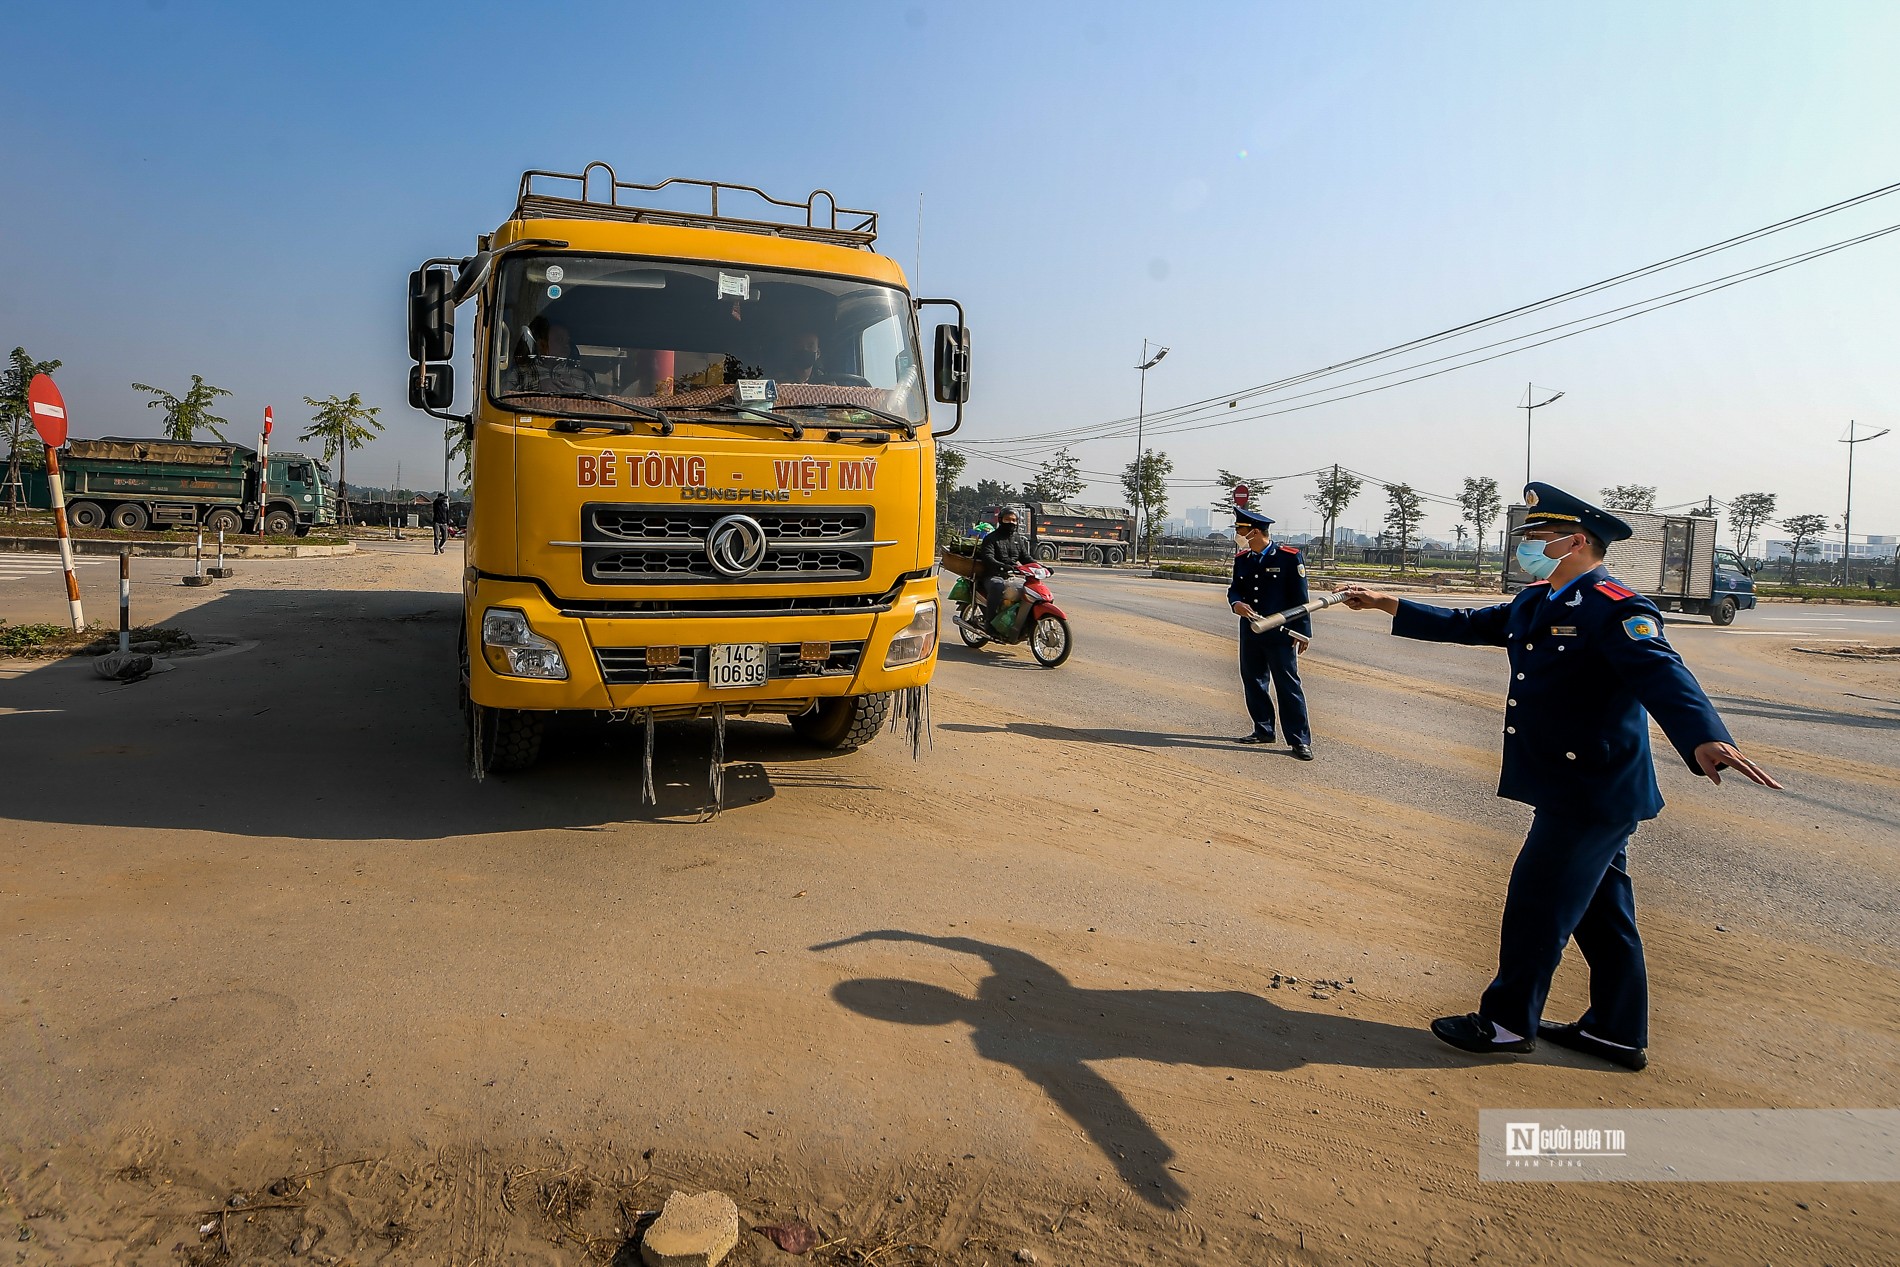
x,y
556,273
554,292
737,285
758,391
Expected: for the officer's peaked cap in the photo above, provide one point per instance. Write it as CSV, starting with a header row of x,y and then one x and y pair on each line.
x,y
1244,518
1551,507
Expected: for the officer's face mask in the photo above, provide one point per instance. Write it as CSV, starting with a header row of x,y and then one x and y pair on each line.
x,y
1531,557
1242,542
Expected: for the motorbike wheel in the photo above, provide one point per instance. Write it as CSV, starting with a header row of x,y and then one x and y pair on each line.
x,y
1050,642
971,638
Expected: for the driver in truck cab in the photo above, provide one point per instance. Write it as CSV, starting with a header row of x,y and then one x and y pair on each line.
x,y
546,361
996,557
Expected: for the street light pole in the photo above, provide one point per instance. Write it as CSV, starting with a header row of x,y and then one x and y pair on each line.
x,y
1141,471
1847,520
1530,403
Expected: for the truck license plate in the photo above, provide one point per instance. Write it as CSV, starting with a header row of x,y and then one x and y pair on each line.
x,y
736,664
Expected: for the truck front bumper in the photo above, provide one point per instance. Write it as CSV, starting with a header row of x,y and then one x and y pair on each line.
x,y
660,662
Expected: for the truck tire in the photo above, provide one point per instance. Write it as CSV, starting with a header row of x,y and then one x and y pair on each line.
x,y
279,522
130,517
223,519
510,739
1094,555
1046,552
86,515
1722,612
843,724
1115,556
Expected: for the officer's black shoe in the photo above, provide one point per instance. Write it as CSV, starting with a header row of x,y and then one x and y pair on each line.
x,y
1474,1033
1303,751
1634,1059
1255,739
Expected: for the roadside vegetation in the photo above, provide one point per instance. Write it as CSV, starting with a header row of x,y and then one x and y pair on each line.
x,y
52,642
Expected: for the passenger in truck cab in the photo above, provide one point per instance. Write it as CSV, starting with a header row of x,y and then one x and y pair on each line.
x,y
545,360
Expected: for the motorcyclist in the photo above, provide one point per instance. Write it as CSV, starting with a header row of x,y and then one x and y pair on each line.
x,y
999,554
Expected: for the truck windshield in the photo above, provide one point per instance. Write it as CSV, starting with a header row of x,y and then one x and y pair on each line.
x,y
670,335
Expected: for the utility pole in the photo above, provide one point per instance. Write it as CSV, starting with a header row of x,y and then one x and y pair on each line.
x,y
1847,520
1141,469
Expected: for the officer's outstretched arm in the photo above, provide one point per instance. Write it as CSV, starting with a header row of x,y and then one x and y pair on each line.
x,y
1632,641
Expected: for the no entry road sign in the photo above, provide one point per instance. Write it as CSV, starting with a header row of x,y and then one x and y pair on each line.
x,y
1241,494
48,408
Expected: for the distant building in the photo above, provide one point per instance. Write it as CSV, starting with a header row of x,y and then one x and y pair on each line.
x,y
1876,549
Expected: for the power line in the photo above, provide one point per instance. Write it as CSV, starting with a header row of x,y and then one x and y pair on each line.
x,y
1105,429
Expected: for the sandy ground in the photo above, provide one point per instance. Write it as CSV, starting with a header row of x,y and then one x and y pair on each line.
x,y
263,942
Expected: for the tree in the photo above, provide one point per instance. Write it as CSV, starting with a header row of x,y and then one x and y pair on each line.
x,y
1481,506
1629,497
1462,532
1747,512
1228,481
1059,479
950,466
1336,490
1804,529
342,425
1404,510
22,440
185,417
460,439
1145,480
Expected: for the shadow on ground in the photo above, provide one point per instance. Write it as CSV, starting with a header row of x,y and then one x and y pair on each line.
x,y
1027,1015
342,723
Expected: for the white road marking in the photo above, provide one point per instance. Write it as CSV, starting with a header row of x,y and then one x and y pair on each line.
x,y
23,567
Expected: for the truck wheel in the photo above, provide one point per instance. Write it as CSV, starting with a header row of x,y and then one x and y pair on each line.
x,y
1094,555
223,520
86,515
1723,613
279,523
1115,556
843,724
1046,552
131,517
510,739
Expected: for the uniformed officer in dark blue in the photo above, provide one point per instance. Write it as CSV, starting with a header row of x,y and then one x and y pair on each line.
x,y
1269,578
1588,661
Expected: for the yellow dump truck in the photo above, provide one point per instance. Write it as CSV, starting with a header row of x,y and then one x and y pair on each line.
x,y
703,462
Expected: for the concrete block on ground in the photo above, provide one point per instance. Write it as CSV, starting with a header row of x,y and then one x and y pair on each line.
x,y
692,1231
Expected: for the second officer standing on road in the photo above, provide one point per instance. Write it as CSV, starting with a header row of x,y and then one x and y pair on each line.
x,y
1269,578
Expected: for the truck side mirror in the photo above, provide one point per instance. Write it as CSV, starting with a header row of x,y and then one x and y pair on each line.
x,y
952,386
431,315
430,387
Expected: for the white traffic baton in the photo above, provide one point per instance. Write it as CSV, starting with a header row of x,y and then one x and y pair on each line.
x,y
1263,624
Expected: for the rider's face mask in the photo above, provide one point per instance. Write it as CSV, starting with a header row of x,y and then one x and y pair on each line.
x,y
1006,527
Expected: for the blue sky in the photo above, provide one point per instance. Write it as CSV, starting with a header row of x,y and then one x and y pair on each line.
x,y
240,190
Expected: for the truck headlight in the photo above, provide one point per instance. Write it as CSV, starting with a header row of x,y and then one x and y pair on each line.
x,y
511,647
917,639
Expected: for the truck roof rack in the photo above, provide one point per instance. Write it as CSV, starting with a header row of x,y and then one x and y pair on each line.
x,y
845,227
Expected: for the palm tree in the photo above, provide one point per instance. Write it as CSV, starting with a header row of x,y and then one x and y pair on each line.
x,y
342,425
185,417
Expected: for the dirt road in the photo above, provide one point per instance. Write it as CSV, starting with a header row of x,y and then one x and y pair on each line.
x,y
260,936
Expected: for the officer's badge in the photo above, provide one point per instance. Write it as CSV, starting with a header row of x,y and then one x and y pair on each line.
x,y
1641,627
1530,498
1301,569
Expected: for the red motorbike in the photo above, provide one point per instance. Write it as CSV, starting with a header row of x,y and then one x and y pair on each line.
x,y
1029,614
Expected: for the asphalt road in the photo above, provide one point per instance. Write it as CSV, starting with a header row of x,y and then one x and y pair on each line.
x,y
256,919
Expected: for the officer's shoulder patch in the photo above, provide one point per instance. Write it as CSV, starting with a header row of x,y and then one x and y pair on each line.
x,y
1291,549
1641,627
1301,569
1612,590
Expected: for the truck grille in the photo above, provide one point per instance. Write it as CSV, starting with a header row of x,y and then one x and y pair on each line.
x,y
627,545
627,666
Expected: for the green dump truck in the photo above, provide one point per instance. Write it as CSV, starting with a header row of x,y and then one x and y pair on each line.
x,y
136,484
